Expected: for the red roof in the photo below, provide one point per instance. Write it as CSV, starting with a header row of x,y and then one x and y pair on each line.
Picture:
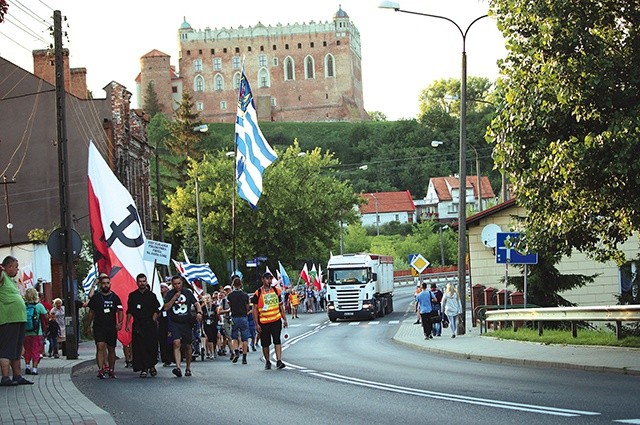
x,y
388,202
155,54
442,184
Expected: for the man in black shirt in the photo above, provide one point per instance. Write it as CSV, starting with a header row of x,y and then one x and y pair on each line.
x,y
239,302
105,311
143,307
178,303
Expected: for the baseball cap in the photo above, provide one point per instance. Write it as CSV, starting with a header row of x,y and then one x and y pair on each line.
x,y
267,274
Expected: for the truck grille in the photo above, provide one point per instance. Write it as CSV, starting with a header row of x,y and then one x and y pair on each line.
x,y
347,300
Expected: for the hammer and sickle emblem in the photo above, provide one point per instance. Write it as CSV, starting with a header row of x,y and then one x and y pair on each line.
x,y
118,230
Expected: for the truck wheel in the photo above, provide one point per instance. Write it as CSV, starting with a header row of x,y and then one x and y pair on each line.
x,y
389,305
332,319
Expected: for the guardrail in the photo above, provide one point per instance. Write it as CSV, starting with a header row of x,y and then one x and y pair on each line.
x,y
612,313
480,312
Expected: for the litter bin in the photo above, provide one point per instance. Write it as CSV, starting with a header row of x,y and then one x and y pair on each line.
x,y
516,297
477,299
501,296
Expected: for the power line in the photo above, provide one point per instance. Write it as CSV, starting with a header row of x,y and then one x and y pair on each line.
x,y
26,29
12,40
31,13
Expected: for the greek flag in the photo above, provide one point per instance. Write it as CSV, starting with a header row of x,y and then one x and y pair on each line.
x,y
200,272
89,280
253,152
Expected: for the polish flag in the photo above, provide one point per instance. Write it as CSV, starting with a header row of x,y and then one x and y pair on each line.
x,y
116,231
304,274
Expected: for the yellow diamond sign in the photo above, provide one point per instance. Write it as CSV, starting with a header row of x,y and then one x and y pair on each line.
x,y
419,263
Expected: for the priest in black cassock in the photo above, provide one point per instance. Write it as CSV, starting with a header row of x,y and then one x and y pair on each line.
x,y
143,306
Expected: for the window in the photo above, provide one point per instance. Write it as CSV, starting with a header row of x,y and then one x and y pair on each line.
x,y
237,50
262,48
299,45
324,44
174,89
329,66
199,51
188,52
236,80
217,64
213,51
200,106
249,49
224,50
218,82
337,42
197,65
289,70
236,62
312,44
274,47
262,60
275,61
223,104
263,78
198,83
273,102
309,68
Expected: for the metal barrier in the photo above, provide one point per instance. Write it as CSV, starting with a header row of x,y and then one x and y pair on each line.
x,y
612,313
480,312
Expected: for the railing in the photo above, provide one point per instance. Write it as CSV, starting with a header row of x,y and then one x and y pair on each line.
x,y
613,313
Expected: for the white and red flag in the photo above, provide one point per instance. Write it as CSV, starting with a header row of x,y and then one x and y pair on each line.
x,y
116,231
304,275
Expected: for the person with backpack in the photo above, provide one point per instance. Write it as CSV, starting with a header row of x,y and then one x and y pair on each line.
x,y
425,300
36,314
269,314
436,316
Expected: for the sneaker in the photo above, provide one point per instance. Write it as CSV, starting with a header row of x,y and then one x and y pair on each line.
x,y
453,336
417,322
430,336
187,372
253,348
244,360
166,364
177,372
280,365
102,373
34,371
27,371
112,374
22,381
267,366
7,382
234,358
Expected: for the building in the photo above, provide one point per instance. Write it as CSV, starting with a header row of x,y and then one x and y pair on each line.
x,y
612,280
443,197
386,207
29,161
298,72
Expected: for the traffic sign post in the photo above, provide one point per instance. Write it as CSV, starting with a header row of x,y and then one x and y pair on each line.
x,y
506,254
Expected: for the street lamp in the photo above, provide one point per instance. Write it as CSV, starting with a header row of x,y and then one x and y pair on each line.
x,y
375,198
462,212
440,229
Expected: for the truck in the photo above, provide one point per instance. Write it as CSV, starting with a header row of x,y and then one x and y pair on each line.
x,y
359,286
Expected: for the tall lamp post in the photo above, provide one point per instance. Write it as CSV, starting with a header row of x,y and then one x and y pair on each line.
x,y
478,177
375,198
462,211
440,229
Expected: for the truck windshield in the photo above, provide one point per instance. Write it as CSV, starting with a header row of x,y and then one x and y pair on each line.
x,y
349,276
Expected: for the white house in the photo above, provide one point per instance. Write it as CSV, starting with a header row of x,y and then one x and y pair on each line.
x,y
385,207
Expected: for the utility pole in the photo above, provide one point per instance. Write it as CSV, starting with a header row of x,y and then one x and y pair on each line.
x,y
8,210
68,288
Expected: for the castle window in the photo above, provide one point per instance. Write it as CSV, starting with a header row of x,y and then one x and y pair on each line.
x,y
326,95
273,102
224,50
274,47
188,52
217,64
174,89
236,62
199,51
262,60
299,45
197,65
218,82
199,106
262,48
263,78
213,51
286,46
337,42
299,97
312,44
329,66
309,68
324,44
237,50
236,80
248,48
198,84
223,104
275,61
289,69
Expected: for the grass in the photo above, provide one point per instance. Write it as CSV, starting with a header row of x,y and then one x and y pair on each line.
x,y
552,336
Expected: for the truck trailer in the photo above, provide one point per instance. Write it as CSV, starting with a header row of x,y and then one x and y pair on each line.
x,y
359,286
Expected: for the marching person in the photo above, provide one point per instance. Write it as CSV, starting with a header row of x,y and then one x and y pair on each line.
x,y
106,313
143,307
178,303
13,318
424,300
36,314
239,303
451,307
269,315
166,354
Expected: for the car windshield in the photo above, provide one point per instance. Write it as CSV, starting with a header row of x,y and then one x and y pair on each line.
x,y
348,276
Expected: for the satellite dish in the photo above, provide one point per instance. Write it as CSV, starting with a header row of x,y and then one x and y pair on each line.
x,y
489,235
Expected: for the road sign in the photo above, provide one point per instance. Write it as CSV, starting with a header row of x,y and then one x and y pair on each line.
x,y
419,263
507,254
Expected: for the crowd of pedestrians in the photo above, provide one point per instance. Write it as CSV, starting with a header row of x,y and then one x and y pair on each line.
x,y
437,310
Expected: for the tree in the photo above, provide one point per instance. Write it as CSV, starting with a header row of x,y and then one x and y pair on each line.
x,y
377,116
151,104
298,215
567,131
183,142
4,7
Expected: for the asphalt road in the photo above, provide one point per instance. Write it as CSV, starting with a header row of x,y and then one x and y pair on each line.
x,y
352,372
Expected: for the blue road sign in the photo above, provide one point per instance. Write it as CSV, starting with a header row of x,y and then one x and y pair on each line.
x,y
507,254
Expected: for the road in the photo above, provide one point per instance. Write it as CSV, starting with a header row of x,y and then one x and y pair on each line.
x,y
352,372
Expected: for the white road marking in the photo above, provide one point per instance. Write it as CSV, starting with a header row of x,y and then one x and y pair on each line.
x,y
628,421
373,323
313,324
394,322
333,324
354,323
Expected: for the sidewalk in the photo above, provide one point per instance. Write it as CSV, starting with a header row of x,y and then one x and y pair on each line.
x,y
54,398
476,347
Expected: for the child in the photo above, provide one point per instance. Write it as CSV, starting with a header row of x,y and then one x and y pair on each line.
x,y
53,332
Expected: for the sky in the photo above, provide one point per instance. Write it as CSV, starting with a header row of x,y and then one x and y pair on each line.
x,y
402,54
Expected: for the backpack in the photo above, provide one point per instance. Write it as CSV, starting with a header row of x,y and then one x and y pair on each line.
x,y
33,318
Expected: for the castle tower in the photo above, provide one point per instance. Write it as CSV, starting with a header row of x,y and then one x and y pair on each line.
x,y
155,68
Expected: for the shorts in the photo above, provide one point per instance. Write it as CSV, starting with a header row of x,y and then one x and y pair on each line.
x,y
32,347
240,325
269,331
11,340
211,331
227,326
181,331
106,335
